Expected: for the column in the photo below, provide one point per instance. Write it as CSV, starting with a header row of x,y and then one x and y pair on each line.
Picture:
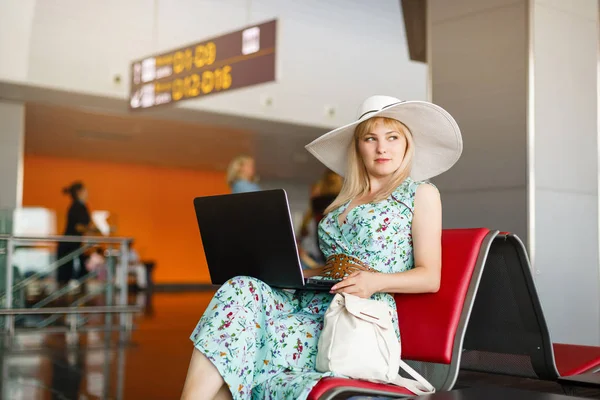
x,y
12,135
520,77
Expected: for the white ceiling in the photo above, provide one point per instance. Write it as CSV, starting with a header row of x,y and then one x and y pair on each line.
x,y
74,125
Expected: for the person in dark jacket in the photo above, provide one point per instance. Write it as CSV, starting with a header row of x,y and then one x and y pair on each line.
x,y
79,223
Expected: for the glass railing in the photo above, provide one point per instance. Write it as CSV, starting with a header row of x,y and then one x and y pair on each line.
x,y
33,300
6,221
90,313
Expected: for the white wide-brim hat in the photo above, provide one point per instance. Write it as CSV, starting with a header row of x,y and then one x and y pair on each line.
x,y
436,135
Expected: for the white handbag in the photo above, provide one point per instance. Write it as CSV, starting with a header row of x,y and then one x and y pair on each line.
x,y
358,341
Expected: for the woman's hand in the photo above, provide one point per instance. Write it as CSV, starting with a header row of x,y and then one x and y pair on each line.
x,y
362,284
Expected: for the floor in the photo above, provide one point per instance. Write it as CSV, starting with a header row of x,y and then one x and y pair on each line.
x,y
153,366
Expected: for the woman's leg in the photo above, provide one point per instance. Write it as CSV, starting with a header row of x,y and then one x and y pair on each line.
x,y
203,379
233,336
64,272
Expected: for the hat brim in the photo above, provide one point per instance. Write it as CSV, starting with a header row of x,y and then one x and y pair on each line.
x,y
437,138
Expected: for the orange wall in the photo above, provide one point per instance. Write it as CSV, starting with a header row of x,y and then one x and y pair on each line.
x,y
152,204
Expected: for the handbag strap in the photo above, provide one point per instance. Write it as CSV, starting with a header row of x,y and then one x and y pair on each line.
x,y
418,385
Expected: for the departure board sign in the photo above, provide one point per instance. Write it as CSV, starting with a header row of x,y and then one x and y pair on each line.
x,y
234,60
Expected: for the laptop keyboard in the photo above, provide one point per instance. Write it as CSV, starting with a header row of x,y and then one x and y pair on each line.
x,y
322,281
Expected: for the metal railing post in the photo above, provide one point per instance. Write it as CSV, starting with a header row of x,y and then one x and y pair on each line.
x,y
107,361
123,272
120,368
9,320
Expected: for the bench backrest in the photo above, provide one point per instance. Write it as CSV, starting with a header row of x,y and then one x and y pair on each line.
x,y
432,325
507,332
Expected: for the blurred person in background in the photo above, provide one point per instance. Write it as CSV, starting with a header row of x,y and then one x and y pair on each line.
x,y
323,192
136,267
241,175
78,223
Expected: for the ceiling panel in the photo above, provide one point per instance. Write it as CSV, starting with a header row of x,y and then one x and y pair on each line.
x,y
133,138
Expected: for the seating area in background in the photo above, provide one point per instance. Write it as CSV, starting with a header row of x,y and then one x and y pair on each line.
x,y
507,332
485,318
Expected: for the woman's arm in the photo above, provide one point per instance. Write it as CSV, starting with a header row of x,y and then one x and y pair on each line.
x,y
427,247
84,224
309,273
90,228
427,250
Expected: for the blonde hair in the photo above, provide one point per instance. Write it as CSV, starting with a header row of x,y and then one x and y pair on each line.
x,y
233,170
356,182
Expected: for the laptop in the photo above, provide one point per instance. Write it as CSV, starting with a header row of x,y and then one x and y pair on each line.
x,y
251,234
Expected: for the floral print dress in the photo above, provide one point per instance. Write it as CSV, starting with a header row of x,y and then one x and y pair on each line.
x,y
263,340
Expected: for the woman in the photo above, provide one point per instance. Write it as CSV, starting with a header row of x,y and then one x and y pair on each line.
x,y
323,193
241,175
256,341
78,224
